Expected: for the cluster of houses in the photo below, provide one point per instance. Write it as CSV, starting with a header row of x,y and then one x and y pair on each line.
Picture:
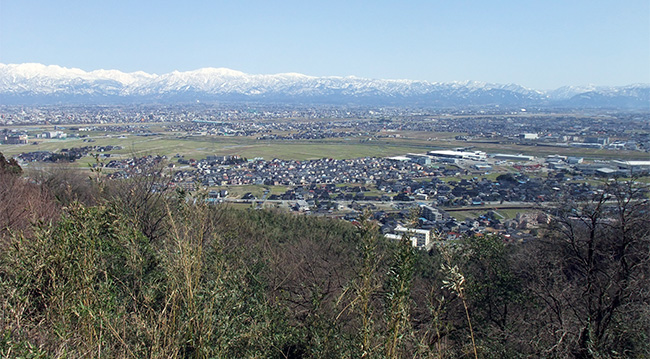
x,y
436,225
437,193
22,138
269,130
366,170
625,130
66,154
133,166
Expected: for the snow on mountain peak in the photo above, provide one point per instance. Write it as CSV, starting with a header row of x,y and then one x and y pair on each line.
x,y
31,70
121,77
215,71
30,79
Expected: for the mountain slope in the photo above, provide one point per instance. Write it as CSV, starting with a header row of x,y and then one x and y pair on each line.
x,y
36,83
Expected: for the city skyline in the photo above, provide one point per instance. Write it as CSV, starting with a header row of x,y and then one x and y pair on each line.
x,y
541,46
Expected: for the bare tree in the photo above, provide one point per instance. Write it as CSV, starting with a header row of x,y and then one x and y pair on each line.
x,y
23,203
142,192
592,274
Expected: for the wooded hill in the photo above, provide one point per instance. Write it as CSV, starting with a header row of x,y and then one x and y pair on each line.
x,y
133,269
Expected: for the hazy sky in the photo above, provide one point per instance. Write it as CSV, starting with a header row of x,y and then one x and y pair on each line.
x,y
541,44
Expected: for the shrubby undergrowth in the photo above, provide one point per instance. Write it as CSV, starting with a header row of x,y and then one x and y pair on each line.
x,y
132,269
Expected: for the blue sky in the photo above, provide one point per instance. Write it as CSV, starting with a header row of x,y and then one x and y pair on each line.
x,y
538,44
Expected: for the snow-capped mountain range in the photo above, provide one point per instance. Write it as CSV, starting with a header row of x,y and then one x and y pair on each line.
x,y
32,83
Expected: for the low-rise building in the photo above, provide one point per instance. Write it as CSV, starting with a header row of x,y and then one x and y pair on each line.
x,y
509,157
430,213
420,238
15,139
529,136
464,155
633,166
575,160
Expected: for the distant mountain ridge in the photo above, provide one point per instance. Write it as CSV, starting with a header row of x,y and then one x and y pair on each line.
x,y
32,83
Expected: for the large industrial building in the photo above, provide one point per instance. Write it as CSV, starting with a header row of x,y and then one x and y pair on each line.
x,y
458,155
633,166
509,157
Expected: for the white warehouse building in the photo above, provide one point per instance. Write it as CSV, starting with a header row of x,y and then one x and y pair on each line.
x,y
447,154
633,166
509,157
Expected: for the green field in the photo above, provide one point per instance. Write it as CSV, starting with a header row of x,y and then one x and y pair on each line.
x,y
200,147
502,214
255,190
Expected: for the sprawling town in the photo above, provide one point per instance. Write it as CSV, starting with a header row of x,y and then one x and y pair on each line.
x,y
458,172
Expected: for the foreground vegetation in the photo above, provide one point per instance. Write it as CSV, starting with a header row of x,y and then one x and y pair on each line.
x,y
95,268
